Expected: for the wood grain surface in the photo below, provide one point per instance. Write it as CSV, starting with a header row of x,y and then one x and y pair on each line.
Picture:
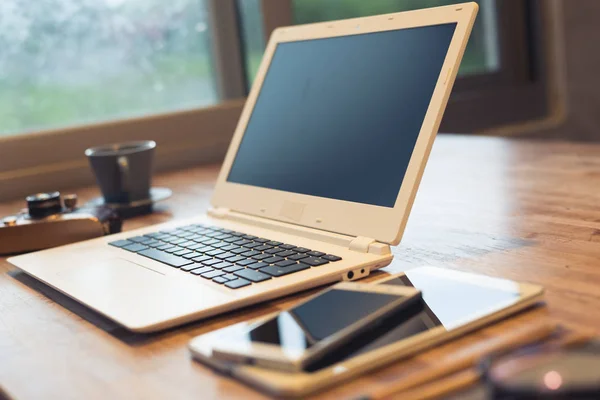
x,y
523,210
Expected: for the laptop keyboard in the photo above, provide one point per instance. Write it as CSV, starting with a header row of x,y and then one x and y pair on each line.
x,y
226,257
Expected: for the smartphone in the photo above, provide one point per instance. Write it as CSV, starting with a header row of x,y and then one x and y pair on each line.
x,y
301,336
455,303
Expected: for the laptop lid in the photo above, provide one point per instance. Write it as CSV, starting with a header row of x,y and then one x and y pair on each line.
x,y
341,118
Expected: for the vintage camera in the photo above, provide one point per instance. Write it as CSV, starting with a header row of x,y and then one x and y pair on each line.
x,y
47,222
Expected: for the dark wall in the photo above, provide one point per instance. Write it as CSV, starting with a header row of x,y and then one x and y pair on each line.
x,y
582,52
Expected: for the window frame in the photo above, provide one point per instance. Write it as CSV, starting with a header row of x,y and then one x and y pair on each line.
x,y
516,93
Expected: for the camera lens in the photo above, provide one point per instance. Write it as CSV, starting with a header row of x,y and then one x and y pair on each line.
x,y
44,204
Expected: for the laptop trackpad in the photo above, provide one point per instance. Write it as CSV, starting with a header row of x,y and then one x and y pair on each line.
x,y
135,296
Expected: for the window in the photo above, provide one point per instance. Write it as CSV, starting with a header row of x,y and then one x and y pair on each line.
x,y
68,62
77,73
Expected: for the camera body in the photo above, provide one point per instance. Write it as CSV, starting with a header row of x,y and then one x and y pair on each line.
x,y
47,222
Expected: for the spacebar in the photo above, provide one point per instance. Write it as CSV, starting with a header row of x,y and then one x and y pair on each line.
x,y
165,258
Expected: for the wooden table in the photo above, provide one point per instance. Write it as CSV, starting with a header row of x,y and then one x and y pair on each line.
x,y
524,210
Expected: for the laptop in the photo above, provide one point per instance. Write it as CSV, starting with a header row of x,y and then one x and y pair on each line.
x,y
317,184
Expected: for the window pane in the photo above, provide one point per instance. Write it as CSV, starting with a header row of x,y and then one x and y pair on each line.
x,y
66,62
481,55
253,34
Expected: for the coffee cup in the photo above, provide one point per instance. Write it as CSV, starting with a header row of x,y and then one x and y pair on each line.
x,y
123,170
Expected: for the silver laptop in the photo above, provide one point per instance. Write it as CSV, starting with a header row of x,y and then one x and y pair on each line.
x,y
317,184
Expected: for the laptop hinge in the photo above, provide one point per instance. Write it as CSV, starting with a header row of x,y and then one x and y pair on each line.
x,y
359,244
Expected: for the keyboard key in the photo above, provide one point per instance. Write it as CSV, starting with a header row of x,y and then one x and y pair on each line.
x,y
314,261
187,235
242,242
285,263
281,271
192,255
258,265
201,270
174,249
315,253
188,244
287,246
183,252
153,243
188,268
251,275
213,234
246,262
138,239
233,268
252,245
262,256
229,277
202,239
274,250
214,252
196,246
261,240
273,260
239,250
121,243
331,257
251,253
297,256
230,247
263,247
286,253
135,247
165,258
211,242
249,237
219,245
212,274
225,255
223,264
180,232
165,247
238,283
235,259
301,250
212,261
204,249
177,241
153,235
202,258
231,239
220,280
223,237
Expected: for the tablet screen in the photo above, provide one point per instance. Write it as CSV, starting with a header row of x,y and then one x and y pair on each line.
x,y
451,299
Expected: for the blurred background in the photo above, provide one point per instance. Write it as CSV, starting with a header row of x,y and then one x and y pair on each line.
x,y
68,65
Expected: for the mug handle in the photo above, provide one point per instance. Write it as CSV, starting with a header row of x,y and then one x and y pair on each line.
x,y
123,164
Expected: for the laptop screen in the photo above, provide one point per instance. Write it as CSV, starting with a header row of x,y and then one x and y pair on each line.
x,y
339,117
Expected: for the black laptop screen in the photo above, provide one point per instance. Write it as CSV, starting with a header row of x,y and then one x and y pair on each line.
x,y
339,117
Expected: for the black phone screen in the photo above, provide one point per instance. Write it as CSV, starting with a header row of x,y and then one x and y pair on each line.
x,y
319,318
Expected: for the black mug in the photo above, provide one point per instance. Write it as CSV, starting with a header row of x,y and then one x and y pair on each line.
x,y
123,170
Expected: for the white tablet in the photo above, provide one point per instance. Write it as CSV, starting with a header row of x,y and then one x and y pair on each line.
x,y
456,303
